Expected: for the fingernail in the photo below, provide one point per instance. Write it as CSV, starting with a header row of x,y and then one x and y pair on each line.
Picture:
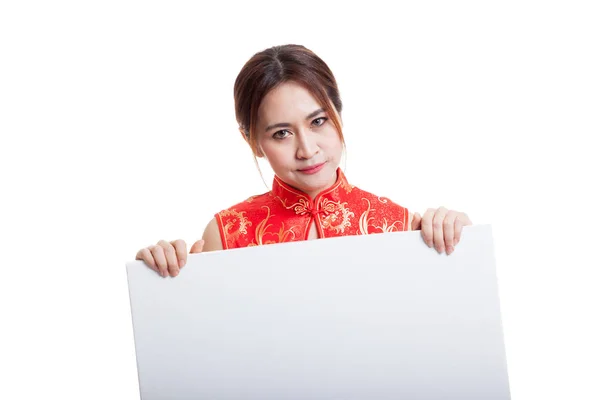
x,y
449,250
455,241
176,272
181,263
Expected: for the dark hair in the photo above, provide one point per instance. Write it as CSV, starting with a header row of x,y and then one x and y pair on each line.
x,y
276,65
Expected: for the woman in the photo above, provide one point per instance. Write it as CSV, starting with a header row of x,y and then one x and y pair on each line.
x,y
288,108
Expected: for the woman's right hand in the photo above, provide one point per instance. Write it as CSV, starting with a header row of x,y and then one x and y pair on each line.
x,y
167,258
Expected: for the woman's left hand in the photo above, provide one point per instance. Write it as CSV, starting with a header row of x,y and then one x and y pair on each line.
x,y
441,228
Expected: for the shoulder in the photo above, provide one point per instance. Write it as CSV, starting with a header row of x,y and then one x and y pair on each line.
x,y
237,220
376,200
384,207
250,203
253,205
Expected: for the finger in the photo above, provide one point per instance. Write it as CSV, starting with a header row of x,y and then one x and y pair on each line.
x,y
145,255
458,225
197,247
438,231
180,252
171,257
159,258
426,226
466,220
416,222
448,226
462,220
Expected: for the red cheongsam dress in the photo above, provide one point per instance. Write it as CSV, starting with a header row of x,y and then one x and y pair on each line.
x,y
285,214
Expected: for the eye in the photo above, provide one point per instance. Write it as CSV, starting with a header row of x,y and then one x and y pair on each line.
x,y
319,121
281,134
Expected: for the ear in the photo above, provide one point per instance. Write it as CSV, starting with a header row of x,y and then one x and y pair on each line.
x,y
260,153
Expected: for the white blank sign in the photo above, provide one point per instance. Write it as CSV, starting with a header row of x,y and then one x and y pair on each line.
x,y
358,317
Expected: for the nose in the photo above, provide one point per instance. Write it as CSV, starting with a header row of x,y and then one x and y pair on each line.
x,y
307,145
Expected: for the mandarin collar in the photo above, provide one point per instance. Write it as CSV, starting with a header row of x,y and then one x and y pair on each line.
x,y
302,203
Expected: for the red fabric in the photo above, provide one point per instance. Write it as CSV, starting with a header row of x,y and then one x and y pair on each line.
x,y
285,214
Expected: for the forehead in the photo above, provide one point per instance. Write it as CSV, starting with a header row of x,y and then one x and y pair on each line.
x,y
286,102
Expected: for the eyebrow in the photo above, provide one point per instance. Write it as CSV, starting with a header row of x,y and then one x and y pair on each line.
x,y
287,125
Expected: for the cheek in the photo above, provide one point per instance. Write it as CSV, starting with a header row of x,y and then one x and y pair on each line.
x,y
333,141
275,153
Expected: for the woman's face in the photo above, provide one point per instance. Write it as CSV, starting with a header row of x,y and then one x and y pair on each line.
x,y
298,138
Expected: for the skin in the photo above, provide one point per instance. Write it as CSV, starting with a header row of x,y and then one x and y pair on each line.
x,y
294,133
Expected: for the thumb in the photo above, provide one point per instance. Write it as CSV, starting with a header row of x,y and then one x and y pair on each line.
x,y
197,247
416,222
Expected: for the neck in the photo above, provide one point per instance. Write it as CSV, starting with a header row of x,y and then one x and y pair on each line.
x,y
315,192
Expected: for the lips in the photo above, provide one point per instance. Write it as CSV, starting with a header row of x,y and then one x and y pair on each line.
x,y
312,169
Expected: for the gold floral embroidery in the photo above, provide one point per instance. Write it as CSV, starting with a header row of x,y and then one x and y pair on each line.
x,y
391,228
346,186
329,206
284,235
237,225
301,207
363,223
337,216
262,227
262,230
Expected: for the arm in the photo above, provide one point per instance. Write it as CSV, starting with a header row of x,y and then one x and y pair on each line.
x,y
212,237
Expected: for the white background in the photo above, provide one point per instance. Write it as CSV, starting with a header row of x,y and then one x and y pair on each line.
x,y
118,130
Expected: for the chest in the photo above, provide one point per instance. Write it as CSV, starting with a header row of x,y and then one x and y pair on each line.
x,y
268,220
